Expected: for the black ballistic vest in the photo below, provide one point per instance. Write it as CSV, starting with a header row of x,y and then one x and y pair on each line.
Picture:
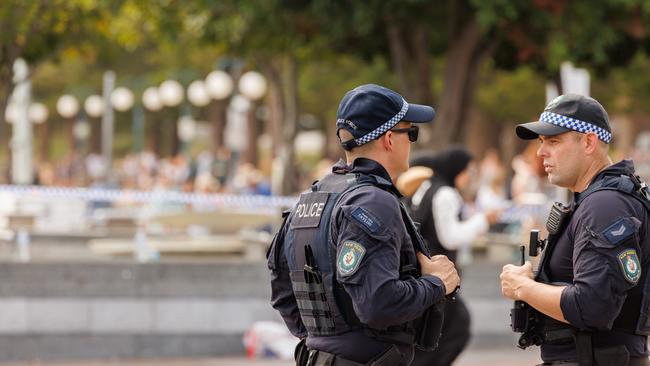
x,y
634,316
325,308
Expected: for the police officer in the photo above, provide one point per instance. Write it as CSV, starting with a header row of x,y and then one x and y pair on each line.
x,y
345,273
590,293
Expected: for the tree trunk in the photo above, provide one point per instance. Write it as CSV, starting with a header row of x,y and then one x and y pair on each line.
x,y
282,74
250,155
276,104
460,73
6,88
217,114
44,141
290,129
175,140
410,47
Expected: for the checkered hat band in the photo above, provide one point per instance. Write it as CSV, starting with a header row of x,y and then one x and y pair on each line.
x,y
385,127
576,125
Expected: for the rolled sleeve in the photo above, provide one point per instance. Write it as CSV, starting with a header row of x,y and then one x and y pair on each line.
x,y
379,297
599,288
439,289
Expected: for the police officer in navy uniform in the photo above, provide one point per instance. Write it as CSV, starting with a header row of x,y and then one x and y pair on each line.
x,y
346,274
590,293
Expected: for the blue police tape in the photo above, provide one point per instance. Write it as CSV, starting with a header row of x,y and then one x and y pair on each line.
x,y
114,195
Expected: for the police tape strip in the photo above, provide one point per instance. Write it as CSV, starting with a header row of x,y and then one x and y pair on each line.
x,y
115,195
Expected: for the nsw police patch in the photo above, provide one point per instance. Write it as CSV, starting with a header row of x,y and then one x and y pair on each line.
x,y
350,258
629,262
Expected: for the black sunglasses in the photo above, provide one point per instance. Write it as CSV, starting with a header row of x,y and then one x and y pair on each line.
x,y
412,131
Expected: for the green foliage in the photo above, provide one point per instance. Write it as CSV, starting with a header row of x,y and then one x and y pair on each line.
x,y
338,45
510,97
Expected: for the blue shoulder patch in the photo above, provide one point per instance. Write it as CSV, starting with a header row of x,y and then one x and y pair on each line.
x,y
620,230
366,219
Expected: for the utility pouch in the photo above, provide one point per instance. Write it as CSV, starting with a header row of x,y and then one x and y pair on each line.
x,y
428,328
301,353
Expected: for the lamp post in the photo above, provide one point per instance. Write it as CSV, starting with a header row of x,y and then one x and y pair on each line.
x,y
219,85
94,107
122,100
38,114
152,103
171,95
252,85
197,94
67,106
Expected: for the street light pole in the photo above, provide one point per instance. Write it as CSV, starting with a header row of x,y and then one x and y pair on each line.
x,y
219,86
122,100
171,95
151,101
38,114
108,122
94,107
252,85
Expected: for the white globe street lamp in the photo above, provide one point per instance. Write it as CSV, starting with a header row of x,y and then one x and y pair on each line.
x,y
81,130
37,113
171,93
252,85
219,84
151,99
11,113
94,106
197,93
67,106
186,128
122,99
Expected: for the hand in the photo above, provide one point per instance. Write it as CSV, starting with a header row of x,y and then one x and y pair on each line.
x,y
493,215
514,279
441,267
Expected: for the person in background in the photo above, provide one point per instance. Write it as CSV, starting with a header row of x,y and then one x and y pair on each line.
x,y
437,206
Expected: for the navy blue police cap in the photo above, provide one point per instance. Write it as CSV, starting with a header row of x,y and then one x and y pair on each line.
x,y
569,112
368,111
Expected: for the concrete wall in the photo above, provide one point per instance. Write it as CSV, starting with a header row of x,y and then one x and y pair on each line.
x,y
66,311
129,310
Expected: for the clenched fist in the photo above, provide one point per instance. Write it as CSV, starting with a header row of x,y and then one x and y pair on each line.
x,y
513,278
441,267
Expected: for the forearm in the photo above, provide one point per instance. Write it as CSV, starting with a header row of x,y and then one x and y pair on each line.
x,y
543,297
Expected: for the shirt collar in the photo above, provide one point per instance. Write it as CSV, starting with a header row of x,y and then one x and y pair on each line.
x,y
368,167
623,167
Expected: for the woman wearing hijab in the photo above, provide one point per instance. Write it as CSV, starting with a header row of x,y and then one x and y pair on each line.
x,y
437,205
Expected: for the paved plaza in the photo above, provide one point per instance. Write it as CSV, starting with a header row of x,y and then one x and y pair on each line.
x,y
472,357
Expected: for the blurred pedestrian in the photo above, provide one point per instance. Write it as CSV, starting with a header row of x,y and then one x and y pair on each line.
x,y
437,206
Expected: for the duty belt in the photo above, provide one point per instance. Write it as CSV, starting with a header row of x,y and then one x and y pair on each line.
x,y
391,357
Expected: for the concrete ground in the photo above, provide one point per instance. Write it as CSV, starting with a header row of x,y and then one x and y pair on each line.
x,y
472,357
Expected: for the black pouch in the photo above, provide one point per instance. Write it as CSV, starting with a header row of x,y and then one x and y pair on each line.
x,y
301,353
428,328
611,356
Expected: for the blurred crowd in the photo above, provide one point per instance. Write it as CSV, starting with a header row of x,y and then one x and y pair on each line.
x,y
205,172
495,182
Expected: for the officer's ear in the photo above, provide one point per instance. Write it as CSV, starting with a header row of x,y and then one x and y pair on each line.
x,y
590,143
386,141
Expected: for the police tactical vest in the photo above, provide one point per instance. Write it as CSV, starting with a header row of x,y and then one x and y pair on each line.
x,y
423,213
634,316
325,308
